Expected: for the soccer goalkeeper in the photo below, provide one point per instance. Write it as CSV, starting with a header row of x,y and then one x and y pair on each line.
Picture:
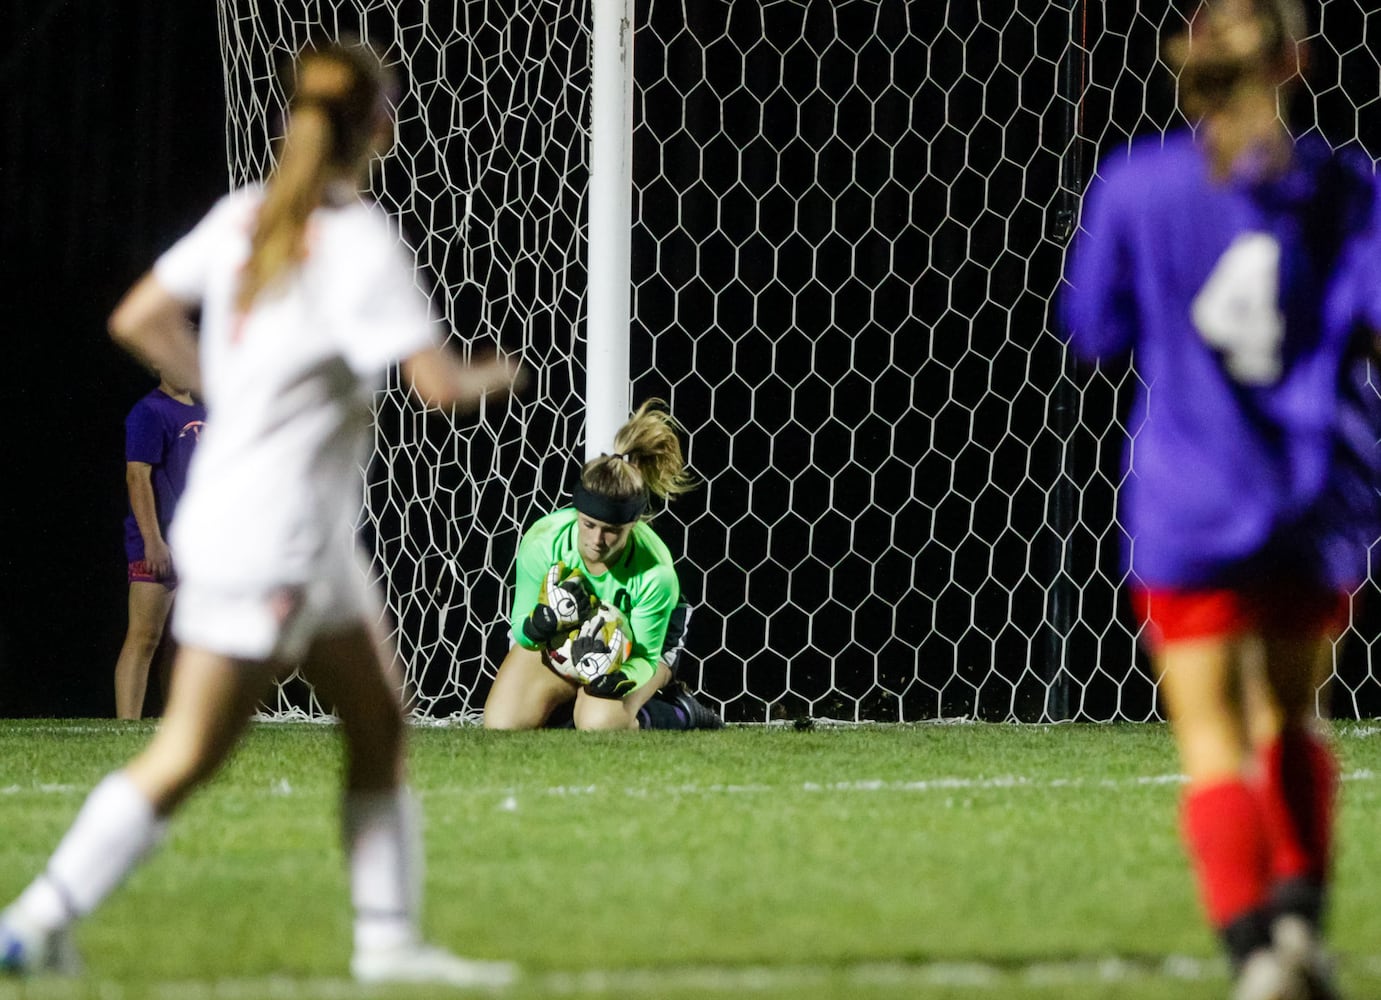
x,y
602,549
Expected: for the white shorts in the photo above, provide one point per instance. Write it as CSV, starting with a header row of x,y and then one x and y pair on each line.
x,y
277,623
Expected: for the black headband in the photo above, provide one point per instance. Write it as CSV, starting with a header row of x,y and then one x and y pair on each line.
x,y
606,508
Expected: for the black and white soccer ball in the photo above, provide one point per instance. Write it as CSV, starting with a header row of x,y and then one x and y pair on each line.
x,y
597,646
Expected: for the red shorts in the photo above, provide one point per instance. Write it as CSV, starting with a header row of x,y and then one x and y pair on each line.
x,y
1279,611
139,572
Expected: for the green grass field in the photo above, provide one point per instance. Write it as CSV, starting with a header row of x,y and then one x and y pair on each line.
x,y
877,862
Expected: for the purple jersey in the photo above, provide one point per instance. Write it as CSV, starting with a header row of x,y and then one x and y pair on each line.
x,y
162,432
1250,307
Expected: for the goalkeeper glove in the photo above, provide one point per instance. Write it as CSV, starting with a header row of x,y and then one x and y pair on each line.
x,y
541,626
596,654
613,685
568,596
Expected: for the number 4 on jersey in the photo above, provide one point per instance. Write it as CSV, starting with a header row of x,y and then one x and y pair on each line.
x,y
1236,311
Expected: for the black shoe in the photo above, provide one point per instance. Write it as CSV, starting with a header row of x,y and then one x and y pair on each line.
x,y
697,715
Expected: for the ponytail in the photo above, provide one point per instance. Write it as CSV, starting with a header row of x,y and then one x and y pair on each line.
x,y
293,193
647,460
335,109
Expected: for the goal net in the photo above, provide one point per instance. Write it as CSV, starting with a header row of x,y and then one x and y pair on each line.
x,y
849,218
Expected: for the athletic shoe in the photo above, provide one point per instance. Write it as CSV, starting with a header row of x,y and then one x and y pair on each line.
x,y
699,715
1264,976
26,951
426,963
1299,949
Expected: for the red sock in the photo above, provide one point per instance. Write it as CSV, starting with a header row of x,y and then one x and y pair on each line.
x,y
1297,793
1227,842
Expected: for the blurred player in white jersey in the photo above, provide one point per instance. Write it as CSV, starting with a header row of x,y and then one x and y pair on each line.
x,y
307,297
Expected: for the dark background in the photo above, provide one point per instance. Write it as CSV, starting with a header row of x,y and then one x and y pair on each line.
x,y
113,142
850,221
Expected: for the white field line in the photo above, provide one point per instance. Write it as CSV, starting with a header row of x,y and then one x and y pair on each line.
x,y
682,980
902,976
42,788
907,978
140,729
281,787
999,782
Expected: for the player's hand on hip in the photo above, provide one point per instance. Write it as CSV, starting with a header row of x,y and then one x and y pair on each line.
x,y
158,558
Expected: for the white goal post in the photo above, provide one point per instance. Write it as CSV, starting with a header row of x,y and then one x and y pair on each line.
x,y
609,224
829,233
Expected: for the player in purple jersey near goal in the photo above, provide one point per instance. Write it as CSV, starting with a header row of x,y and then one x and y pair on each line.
x,y
161,432
1239,268
307,299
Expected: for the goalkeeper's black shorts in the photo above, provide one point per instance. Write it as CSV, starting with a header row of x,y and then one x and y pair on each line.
x,y
675,640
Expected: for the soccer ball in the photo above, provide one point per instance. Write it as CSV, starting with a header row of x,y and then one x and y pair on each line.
x,y
595,647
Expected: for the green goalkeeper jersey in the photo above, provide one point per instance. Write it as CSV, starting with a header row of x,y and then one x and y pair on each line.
x,y
641,583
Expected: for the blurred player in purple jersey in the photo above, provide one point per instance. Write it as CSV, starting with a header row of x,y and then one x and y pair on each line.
x,y
160,433
1239,266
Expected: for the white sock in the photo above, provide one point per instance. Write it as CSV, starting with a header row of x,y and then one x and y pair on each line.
x,y
383,847
114,830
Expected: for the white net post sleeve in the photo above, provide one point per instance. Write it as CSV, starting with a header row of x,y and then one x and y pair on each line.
x,y
609,224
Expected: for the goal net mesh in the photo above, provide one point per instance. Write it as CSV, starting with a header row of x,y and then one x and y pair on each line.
x,y
849,220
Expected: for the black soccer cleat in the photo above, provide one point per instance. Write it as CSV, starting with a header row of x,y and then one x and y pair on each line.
x,y
698,715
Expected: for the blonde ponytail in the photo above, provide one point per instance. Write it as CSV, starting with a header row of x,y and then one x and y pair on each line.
x,y
650,443
335,110
294,191
647,459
